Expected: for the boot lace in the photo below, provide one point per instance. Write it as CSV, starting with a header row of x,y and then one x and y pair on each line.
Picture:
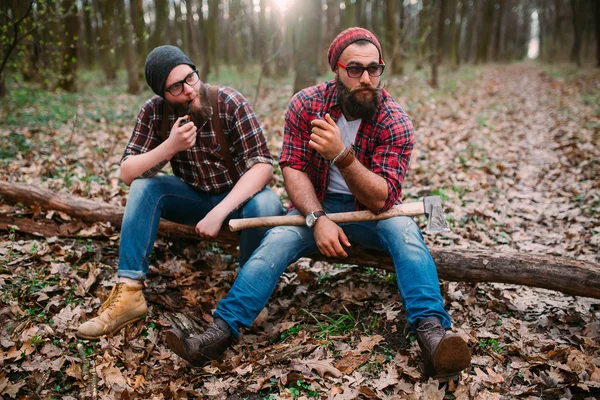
x,y
112,297
431,333
212,334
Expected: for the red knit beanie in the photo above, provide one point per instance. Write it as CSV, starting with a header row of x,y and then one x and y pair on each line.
x,y
345,39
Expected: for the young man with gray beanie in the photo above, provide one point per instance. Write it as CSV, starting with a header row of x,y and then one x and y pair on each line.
x,y
176,126
346,147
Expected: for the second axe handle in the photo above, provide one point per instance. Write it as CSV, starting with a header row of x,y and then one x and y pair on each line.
x,y
400,210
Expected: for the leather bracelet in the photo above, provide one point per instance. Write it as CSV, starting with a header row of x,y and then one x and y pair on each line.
x,y
349,159
337,158
341,160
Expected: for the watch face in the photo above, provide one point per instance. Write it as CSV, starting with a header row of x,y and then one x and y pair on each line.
x,y
310,220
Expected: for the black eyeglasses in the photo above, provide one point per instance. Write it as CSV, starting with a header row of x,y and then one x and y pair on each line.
x,y
177,88
356,71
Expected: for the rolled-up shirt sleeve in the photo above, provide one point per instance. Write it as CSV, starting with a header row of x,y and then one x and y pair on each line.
x,y
250,143
144,137
392,156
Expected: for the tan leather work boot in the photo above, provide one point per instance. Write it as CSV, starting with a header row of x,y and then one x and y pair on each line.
x,y
444,354
125,304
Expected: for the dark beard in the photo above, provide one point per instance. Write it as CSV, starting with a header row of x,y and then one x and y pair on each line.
x,y
354,107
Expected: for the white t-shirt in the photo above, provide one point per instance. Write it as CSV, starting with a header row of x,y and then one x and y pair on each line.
x,y
348,129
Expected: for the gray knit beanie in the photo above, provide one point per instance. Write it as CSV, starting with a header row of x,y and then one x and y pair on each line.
x,y
159,64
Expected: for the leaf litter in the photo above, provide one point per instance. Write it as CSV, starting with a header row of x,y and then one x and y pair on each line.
x,y
512,150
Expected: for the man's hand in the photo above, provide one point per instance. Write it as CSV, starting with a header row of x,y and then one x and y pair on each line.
x,y
330,238
182,137
210,225
326,138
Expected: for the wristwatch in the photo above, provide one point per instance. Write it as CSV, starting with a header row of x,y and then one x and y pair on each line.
x,y
311,218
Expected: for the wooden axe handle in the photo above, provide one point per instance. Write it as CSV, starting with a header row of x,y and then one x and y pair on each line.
x,y
406,209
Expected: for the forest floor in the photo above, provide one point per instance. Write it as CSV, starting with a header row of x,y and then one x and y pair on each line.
x,y
514,152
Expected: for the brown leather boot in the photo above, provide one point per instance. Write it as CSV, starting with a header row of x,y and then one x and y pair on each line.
x,y
125,304
444,354
202,349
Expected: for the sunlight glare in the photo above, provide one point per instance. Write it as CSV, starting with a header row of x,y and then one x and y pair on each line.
x,y
283,5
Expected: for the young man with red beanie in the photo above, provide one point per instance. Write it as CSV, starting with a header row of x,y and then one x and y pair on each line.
x,y
346,147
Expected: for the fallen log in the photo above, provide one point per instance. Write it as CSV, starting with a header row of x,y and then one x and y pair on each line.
x,y
572,277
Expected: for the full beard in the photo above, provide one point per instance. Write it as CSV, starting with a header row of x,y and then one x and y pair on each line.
x,y
198,108
353,103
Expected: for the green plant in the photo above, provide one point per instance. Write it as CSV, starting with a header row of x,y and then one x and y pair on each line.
x,y
490,343
293,331
340,324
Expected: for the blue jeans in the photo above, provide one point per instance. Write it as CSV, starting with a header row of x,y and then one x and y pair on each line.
x,y
400,237
166,196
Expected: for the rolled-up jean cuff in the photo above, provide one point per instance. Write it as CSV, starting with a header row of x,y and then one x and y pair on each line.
x,y
137,275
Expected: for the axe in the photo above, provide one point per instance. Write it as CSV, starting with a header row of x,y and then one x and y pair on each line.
x,y
431,206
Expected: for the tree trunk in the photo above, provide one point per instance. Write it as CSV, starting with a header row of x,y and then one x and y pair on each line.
x,y
136,10
265,33
212,25
3,90
106,10
455,45
496,52
360,14
392,38
597,29
572,277
449,36
471,29
577,23
68,71
306,65
161,22
88,45
486,32
133,86
424,30
437,45
202,46
348,14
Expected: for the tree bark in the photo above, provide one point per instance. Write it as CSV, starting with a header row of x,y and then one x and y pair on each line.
x,y
68,70
392,38
572,277
106,8
161,23
212,30
306,64
597,30
423,32
133,86
438,43
455,44
88,45
497,50
264,32
483,47
136,10
577,25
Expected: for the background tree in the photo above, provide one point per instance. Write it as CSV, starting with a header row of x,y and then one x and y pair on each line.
x,y
276,35
128,49
392,38
438,43
305,62
67,80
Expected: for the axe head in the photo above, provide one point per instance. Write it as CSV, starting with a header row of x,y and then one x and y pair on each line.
x,y
436,222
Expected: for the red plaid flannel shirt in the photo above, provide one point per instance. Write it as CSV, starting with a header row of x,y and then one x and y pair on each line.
x,y
383,144
203,166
